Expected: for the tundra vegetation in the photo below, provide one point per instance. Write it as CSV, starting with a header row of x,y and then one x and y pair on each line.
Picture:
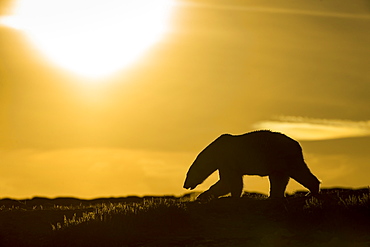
x,y
335,217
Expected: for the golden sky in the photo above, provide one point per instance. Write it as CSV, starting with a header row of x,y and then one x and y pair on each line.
x,y
300,67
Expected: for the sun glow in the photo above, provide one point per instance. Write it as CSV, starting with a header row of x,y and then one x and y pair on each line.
x,y
92,38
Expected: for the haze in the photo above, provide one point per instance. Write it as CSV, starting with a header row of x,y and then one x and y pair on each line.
x,y
300,67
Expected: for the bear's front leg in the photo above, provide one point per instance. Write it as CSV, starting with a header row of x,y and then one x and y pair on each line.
x,y
215,191
232,180
229,182
236,186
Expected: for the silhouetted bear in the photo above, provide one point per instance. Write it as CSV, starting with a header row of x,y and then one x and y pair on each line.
x,y
263,153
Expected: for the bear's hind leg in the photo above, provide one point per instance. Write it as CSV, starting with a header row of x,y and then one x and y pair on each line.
x,y
278,183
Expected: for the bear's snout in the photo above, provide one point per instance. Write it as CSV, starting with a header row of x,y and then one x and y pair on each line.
x,y
189,186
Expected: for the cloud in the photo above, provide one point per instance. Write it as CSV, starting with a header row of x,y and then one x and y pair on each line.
x,y
276,10
311,129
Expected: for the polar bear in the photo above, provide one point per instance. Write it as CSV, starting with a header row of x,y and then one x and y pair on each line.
x,y
263,153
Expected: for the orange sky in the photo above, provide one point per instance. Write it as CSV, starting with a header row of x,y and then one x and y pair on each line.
x,y
300,67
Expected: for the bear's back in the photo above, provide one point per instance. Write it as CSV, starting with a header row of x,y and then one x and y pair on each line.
x,y
261,144
265,137
265,143
260,152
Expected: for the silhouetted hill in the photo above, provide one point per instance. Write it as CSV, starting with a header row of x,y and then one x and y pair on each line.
x,y
337,217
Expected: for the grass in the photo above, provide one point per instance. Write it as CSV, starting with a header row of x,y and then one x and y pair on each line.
x,y
337,217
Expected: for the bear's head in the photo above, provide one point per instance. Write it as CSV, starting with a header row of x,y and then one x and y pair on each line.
x,y
206,163
193,179
202,168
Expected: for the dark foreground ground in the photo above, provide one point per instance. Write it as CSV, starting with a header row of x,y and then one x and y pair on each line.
x,y
337,218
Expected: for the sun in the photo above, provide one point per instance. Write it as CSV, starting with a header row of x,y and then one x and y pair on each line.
x,y
92,38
